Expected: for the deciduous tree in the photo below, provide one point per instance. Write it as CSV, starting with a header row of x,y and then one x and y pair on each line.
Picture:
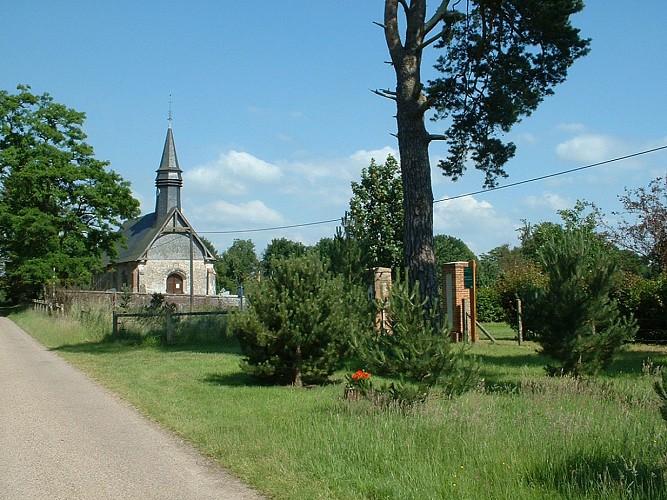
x,y
280,249
375,219
643,224
60,208
236,264
498,62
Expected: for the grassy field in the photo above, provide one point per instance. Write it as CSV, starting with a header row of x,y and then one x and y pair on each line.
x,y
520,435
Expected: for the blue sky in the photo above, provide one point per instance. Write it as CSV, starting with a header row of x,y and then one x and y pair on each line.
x,y
273,115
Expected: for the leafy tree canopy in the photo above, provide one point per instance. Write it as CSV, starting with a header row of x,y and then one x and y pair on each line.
x,y
493,263
236,265
60,208
642,227
451,249
375,219
280,249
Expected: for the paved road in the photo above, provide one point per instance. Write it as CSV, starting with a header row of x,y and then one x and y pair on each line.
x,y
64,437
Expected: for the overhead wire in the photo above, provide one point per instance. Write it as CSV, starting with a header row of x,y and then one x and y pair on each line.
x,y
472,193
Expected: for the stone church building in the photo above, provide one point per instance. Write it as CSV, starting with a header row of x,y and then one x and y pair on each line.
x,y
163,253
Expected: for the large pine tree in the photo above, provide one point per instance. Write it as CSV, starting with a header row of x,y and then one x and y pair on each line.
x,y
498,61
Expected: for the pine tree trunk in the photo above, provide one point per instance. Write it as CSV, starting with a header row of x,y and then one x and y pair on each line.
x,y
417,200
413,142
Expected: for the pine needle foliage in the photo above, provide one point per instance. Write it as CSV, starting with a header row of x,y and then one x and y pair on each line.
x,y
579,325
415,355
297,327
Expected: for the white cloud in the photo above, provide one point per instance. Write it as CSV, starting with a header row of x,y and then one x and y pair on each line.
x,y
576,128
237,215
343,170
475,222
145,205
232,173
588,148
363,157
526,138
550,201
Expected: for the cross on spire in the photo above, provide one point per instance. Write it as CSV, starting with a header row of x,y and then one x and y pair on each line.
x,y
169,118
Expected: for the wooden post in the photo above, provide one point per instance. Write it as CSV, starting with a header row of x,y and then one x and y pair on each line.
x,y
466,322
114,331
192,273
519,320
473,303
170,327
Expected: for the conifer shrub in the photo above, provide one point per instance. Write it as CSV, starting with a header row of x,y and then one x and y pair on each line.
x,y
412,352
576,320
297,326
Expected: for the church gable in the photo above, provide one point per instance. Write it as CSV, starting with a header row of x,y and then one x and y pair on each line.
x,y
164,254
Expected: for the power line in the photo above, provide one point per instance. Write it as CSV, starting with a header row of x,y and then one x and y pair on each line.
x,y
481,191
271,228
548,176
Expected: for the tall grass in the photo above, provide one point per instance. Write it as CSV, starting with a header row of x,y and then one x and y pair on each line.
x,y
520,435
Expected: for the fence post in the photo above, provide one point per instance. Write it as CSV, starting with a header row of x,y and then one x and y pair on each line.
x,y
519,314
114,331
466,322
170,327
240,294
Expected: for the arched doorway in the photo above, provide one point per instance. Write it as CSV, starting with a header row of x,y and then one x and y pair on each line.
x,y
174,283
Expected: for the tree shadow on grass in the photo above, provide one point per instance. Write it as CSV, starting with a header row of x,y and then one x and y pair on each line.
x,y
92,348
132,342
601,476
236,379
503,373
637,361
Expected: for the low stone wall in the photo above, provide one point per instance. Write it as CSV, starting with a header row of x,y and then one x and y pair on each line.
x,y
85,300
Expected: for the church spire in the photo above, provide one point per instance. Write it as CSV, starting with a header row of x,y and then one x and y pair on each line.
x,y
169,180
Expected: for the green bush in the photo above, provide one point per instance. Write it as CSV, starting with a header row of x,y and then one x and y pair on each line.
x,y
520,281
645,299
489,307
298,324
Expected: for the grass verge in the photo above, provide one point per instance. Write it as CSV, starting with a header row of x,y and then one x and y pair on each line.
x,y
520,435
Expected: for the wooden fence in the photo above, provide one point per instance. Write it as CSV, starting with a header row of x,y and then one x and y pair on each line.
x,y
48,306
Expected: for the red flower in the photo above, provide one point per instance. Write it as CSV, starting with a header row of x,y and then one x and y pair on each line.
x,y
361,375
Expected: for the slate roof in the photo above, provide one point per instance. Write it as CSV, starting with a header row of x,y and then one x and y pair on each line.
x,y
141,232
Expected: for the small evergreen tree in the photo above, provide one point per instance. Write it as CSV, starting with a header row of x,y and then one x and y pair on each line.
x,y
298,324
577,322
411,352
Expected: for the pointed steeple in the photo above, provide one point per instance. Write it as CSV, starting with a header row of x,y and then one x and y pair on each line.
x,y
169,180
